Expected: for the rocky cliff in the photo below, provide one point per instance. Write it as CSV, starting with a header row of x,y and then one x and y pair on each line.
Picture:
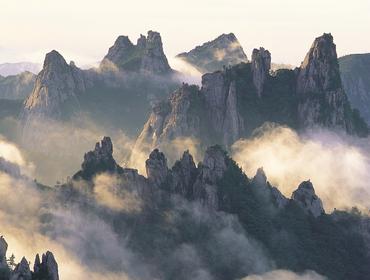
x,y
147,56
56,84
221,52
235,101
322,97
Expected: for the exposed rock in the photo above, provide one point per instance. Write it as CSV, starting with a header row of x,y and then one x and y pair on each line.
x,y
305,197
221,107
261,64
22,271
99,160
56,84
176,118
223,51
210,171
146,56
184,173
322,101
47,269
156,167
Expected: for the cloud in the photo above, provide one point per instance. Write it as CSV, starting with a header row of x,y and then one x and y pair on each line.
x,y
188,73
286,275
336,164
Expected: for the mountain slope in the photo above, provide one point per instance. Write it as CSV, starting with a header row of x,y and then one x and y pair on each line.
x,y
225,50
355,74
146,56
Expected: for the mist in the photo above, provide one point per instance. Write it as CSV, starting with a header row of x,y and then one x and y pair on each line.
x,y
336,164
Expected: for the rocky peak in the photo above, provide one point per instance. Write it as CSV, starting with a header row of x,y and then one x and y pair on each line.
x,y
319,71
47,269
99,160
306,198
55,84
261,64
22,271
225,50
156,167
147,56
184,173
213,165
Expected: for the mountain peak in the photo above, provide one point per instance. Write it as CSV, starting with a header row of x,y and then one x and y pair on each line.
x,y
225,50
54,58
320,69
261,65
99,160
156,167
147,56
306,198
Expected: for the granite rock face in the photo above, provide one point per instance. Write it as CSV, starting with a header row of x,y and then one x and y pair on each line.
x,y
221,52
172,119
322,98
261,65
46,269
306,198
56,84
147,56
156,167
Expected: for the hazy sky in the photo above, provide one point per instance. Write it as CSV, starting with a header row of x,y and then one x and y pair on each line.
x,y
83,30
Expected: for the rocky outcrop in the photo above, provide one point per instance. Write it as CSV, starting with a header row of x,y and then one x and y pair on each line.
x,y
47,269
183,176
146,56
322,98
178,117
306,198
98,161
56,84
221,52
221,107
156,168
22,271
261,64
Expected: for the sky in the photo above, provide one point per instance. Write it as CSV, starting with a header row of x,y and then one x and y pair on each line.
x,y
83,30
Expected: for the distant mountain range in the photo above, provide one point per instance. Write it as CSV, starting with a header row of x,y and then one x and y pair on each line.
x,y
10,69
